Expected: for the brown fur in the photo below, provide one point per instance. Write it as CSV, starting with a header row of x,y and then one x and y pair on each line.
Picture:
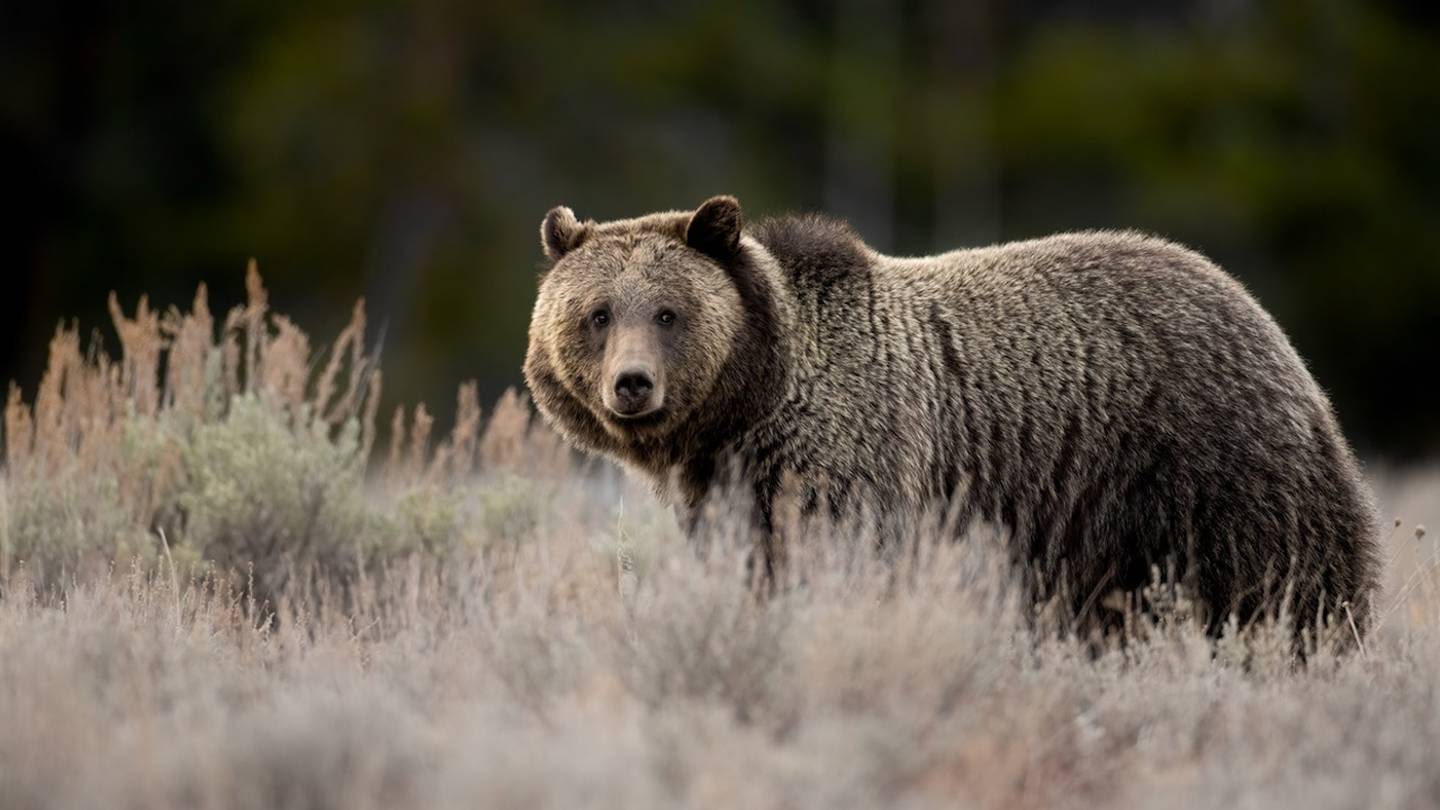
x,y
1113,400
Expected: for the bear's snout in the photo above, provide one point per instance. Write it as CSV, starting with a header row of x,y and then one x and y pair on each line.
x,y
634,393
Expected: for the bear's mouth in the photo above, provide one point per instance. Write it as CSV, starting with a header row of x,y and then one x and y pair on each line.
x,y
639,421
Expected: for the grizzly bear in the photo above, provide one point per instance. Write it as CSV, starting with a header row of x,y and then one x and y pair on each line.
x,y
1114,401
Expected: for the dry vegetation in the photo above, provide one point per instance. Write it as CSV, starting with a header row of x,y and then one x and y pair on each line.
x,y
208,598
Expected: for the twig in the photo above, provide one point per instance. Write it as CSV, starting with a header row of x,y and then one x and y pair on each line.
x,y
174,578
1355,631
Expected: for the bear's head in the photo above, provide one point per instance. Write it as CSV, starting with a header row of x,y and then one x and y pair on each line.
x,y
636,329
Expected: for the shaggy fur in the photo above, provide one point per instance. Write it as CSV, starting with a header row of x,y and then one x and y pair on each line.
x,y
1112,400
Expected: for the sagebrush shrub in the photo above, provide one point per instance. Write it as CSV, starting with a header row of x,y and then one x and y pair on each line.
x,y
260,492
242,452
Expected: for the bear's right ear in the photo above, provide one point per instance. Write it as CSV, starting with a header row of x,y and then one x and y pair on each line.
x,y
561,232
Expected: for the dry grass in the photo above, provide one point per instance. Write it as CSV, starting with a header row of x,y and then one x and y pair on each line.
x,y
210,599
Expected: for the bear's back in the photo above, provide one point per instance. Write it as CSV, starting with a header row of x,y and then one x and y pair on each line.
x,y
1144,410
1115,400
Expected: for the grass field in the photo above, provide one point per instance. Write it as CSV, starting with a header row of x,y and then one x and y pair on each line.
x,y
210,597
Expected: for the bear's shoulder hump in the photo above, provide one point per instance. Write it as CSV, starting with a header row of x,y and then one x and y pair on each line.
x,y
813,247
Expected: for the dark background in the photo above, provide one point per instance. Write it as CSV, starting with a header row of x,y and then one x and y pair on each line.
x,y
406,151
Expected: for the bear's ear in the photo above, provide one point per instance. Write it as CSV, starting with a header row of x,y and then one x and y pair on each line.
x,y
561,232
714,228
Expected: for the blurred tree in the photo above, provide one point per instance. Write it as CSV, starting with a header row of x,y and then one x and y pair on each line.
x,y
406,151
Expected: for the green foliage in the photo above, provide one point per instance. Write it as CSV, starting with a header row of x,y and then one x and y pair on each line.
x,y
89,512
442,519
260,491
508,509
429,518
55,525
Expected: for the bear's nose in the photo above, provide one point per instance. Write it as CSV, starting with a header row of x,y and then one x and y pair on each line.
x,y
632,391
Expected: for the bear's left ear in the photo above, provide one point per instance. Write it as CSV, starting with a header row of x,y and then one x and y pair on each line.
x,y
561,232
714,228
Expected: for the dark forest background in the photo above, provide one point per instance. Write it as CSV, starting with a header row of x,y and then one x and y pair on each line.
x,y
406,151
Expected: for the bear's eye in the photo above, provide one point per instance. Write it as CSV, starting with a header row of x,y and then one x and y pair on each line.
x,y
600,317
666,317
